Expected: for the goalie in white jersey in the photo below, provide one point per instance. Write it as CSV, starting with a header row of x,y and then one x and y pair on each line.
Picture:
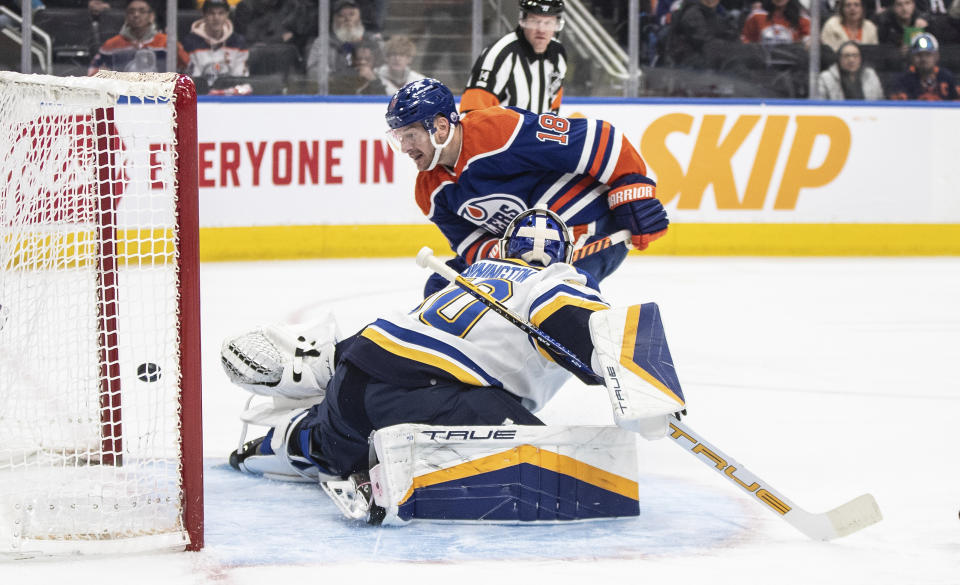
x,y
449,361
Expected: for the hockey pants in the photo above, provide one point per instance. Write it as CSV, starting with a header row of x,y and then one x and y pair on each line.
x,y
357,404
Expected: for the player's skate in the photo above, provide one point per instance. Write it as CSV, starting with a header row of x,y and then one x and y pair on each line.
x,y
277,361
354,498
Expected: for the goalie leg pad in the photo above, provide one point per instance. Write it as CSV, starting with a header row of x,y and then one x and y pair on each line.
x,y
507,474
283,362
630,350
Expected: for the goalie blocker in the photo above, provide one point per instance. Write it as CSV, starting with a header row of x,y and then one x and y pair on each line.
x,y
631,352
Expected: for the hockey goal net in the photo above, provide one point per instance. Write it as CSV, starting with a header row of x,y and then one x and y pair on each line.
x,y
100,438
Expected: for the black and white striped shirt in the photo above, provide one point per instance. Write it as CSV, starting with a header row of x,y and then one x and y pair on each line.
x,y
509,73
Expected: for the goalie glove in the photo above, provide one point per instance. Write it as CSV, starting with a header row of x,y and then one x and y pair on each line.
x,y
276,361
634,204
630,351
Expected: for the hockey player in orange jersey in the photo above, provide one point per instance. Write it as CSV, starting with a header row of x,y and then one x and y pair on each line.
x,y
478,171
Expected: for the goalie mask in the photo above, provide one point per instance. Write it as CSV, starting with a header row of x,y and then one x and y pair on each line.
x,y
537,236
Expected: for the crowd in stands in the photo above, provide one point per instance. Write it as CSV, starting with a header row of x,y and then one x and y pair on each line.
x,y
224,41
867,48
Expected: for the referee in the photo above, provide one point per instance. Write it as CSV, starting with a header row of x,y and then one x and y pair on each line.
x,y
525,68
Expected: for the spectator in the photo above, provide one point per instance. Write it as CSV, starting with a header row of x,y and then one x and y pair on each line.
x,y
777,22
946,27
848,79
933,8
138,47
215,49
924,80
347,31
701,36
273,22
848,24
275,31
526,67
396,72
360,78
897,26
373,12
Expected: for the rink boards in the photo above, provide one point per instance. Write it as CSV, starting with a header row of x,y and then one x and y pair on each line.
x,y
315,177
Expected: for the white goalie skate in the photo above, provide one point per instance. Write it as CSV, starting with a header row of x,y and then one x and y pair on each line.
x,y
354,498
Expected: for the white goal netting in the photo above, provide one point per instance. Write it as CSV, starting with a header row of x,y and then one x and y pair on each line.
x,y
90,377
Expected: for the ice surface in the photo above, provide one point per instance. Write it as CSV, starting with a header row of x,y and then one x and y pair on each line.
x,y
827,377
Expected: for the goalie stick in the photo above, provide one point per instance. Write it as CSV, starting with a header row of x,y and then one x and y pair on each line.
x,y
838,522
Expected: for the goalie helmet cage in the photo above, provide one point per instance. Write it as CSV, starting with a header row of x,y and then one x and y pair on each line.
x,y
100,421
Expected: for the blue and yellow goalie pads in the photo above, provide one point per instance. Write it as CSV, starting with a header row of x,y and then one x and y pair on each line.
x,y
504,474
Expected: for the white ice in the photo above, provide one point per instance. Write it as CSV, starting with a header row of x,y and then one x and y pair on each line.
x,y
826,377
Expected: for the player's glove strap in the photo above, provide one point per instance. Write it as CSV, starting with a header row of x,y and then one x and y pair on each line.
x,y
633,192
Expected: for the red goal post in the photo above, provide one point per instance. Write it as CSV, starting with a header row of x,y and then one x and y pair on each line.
x,y
100,408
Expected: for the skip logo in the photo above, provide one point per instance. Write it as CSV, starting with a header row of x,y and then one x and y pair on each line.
x,y
493,213
781,167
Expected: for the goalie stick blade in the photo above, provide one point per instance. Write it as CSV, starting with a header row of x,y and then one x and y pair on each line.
x,y
841,521
855,515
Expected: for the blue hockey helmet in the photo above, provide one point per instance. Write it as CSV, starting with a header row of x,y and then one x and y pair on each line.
x,y
537,236
421,101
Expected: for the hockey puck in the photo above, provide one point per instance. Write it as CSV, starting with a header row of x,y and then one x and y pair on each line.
x,y
148,372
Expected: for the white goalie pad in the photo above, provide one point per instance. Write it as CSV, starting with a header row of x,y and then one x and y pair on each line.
x,y
283,361
506,474
632,354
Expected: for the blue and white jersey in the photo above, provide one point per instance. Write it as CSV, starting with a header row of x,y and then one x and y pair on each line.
x,y
453,336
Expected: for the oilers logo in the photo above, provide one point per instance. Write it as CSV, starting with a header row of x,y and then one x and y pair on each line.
x,y
493,212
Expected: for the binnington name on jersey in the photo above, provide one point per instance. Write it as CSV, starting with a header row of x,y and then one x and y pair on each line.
x,y
513,273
